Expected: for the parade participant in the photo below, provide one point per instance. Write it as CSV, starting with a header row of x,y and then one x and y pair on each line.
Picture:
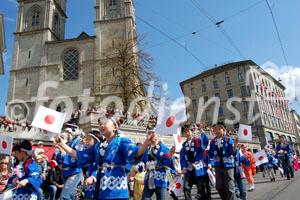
x,y
221,151
272,161
30,181
137,176
250,170
5,172
71,171
205,143
110,157
193,163
158,160
284,154
241,162
90,174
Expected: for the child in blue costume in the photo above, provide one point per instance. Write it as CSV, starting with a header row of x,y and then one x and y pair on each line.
x,y
158,160
221,150
30,182
111,158
239,175
272,162
90,172
71,171
193,163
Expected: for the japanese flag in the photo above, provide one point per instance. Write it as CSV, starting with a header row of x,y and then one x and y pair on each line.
x,y
6,143
177,140
261,157
169,119
211,177
245,132
49,120
178,185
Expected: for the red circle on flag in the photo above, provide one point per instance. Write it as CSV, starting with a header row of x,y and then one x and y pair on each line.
x,y
179,138
4,145
245,132
49,119
170,121
260,158
178,185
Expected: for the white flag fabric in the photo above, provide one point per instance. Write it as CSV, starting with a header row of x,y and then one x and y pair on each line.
x,y
169,120
261,158
6,144
245,132
49,120
178,184
211,177
178,141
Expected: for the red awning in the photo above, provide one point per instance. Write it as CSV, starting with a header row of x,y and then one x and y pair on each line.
x,y
49,150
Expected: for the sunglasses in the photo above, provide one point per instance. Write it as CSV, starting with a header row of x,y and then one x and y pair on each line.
x,y
3,163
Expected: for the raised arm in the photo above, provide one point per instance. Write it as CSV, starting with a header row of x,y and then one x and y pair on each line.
x,y
149,139
62,144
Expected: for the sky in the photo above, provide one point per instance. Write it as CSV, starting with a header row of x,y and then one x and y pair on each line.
x,y
244,34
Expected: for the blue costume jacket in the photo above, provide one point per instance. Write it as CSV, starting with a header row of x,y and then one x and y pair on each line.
x,y
69,164
30,171
272,161
156,163
113,176
284,147
223,155
90,189
191,156
240,161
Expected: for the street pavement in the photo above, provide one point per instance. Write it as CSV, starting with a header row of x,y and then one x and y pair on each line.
x,y
266,190
281,189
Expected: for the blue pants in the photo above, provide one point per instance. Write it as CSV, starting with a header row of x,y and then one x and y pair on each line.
x,y
70,187
52,190
161,193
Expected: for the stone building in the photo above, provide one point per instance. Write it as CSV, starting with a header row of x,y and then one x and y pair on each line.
x,y
252,92
46,68
296,123
2,44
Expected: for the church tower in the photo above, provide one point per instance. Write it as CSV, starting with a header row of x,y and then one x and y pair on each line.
x,y
114,20
38,22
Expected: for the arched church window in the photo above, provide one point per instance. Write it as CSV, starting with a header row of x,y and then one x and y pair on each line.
x,y
34,18
71,64
56,23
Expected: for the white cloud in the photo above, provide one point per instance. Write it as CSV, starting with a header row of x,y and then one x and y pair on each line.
x,y
290,78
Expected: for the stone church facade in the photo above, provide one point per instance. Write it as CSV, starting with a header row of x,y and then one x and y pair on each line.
x,y
46,66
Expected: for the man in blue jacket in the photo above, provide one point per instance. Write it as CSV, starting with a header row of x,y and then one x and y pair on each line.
x,y
193,163
221,151
284,154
